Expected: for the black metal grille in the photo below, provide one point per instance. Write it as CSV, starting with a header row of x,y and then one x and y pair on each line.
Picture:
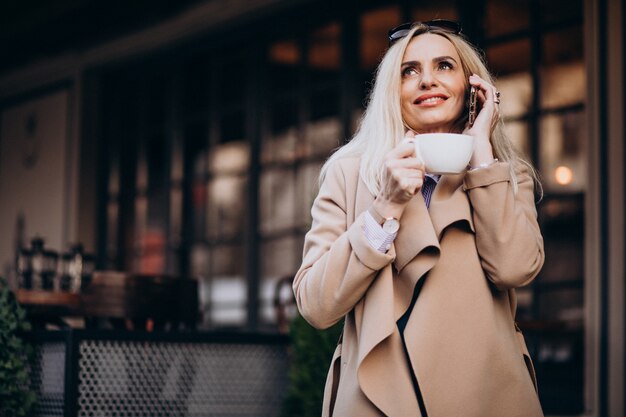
x,y
180,379
122,374
47,374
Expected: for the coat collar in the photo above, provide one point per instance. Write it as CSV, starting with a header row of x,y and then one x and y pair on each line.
x,y
421,227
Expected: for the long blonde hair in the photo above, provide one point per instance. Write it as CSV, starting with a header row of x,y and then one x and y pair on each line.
x,y
382,127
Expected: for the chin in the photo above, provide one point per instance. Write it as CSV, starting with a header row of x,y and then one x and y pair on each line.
x,y
433,128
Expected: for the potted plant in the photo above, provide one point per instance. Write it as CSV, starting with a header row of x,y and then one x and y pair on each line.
x,y
16,397
311,352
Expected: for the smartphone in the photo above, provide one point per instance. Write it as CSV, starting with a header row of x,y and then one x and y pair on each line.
x,y
472,106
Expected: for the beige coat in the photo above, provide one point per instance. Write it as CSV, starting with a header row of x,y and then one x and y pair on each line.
x,y
476,243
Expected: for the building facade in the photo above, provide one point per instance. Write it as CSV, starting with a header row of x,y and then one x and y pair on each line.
x,y
191,145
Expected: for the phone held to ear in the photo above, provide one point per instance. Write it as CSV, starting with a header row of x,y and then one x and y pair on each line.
x,y
472,106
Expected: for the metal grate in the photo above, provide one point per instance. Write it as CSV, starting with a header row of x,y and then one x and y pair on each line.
x,y
47,374
125,378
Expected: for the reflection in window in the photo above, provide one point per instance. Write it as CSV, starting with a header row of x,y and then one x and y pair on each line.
x,y
306,190
323,137
563,152
280,257
221,285
517,132
226,191
304,129
517,93
278,200
280,147
563,85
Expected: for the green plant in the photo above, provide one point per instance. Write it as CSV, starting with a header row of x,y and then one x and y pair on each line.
x,y
311,351
16,399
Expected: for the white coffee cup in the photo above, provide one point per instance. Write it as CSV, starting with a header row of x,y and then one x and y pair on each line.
x,y
444,153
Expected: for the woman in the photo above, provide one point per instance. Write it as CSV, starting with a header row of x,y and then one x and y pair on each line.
x,y
429,306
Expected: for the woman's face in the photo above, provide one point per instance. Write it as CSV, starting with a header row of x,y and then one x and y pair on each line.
x,y
433,84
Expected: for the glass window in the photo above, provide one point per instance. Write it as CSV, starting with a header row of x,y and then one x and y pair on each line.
x,y
375,25
284,114
563,46
509,58
284,63
280,147
323,136
517,132
306,190
517,94
504,16
226,192
324,102
563,85
281,259
562,152
435,9
113,211
559,11
176,216
221,284
278,198
324,54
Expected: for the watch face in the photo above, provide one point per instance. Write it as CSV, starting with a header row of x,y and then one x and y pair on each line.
x,y
391,226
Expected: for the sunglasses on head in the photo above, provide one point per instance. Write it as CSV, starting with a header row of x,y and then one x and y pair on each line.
x,y
441,24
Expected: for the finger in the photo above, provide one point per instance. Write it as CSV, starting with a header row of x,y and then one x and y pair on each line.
x,y
410,185
487,92
410,174
412,163
404,149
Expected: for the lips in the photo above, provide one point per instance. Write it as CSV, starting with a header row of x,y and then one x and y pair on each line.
x,y
430,99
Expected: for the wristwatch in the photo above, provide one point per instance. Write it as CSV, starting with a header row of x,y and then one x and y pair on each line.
x,y
390,225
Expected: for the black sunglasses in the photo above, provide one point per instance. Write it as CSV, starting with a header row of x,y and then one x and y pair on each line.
x,y
441,24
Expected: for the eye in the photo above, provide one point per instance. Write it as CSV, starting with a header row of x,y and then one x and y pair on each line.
x,y
409,71
445,65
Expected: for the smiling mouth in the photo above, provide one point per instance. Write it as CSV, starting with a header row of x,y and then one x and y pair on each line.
x,y
431,100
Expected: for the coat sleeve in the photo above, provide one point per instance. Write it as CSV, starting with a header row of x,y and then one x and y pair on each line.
x,y
508,238
338,263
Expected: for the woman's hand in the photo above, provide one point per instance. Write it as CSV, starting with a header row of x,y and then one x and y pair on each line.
x,y
485,122
403,177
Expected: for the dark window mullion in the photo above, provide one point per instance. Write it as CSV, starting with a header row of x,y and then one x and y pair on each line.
x,y
350,47
535,65
254,118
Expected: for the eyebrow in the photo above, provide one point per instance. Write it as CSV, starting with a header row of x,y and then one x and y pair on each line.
x,y
435,60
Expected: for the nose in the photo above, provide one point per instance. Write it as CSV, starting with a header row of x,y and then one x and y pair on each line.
x,y
428,80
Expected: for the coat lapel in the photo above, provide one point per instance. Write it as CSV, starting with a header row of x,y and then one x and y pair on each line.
x,y
450,204
416,250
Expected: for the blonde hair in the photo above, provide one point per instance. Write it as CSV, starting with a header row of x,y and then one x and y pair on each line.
x,y
382,127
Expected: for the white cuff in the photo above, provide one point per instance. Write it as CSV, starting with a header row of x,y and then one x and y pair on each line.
x,y
375,235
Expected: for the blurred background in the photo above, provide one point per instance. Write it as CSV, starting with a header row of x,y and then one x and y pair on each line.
x,y
184,140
